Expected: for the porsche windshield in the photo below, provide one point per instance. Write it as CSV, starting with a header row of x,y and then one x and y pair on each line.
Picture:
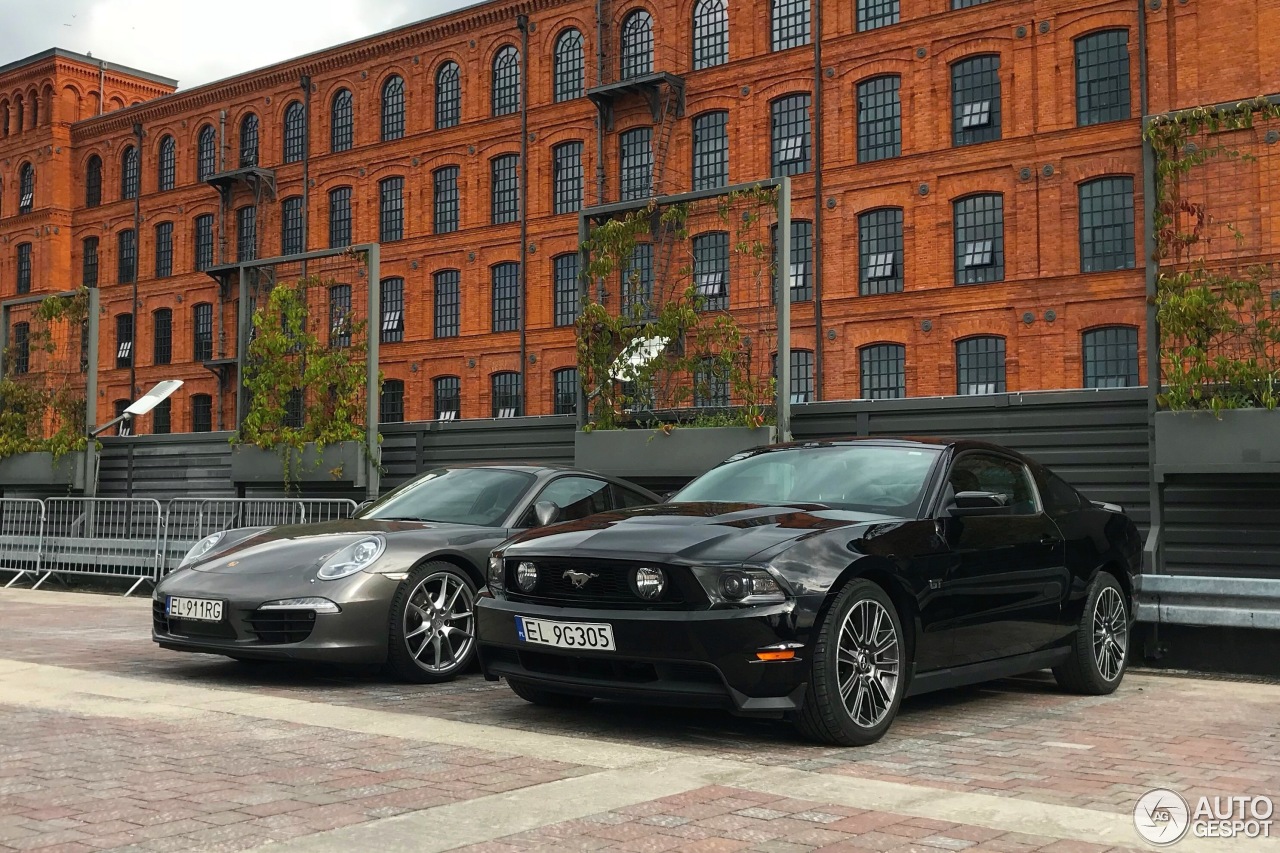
x,y
480,496
869,477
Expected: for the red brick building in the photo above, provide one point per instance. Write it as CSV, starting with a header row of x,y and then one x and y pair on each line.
x,y
971,179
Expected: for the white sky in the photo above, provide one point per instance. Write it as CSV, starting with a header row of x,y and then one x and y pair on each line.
x,y
197,41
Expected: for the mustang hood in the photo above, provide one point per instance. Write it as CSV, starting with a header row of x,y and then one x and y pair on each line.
x,y
686,532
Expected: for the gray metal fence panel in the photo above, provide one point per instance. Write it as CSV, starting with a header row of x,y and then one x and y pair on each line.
x,y
1222,527
166,466
21,535
108,537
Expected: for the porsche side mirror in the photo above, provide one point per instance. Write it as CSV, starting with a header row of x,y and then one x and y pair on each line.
x,y
980,503
546,512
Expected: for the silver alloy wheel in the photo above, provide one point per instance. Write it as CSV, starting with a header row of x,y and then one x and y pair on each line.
x,y
867,662
440,617
1110,633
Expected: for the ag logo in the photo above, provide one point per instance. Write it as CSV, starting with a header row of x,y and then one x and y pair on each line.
x,y
1161,816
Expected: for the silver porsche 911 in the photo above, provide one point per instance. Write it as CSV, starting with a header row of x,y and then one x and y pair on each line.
x,y
394,586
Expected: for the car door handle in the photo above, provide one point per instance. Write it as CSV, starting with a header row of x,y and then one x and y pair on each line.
x,y
1046,539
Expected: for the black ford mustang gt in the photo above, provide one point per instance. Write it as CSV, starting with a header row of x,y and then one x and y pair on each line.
x,y
823,581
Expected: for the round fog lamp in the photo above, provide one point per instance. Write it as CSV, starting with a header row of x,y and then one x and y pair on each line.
x,y
526,577
650,583
735,586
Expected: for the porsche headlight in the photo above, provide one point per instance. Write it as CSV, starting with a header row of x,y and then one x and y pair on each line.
x,y
353,558
204,546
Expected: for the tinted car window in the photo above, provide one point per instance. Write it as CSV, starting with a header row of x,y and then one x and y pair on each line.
x,y
979,472
875,478
626,499
1058,497
577,498
480,496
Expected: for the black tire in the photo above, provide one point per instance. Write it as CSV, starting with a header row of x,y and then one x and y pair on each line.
x,y
546,698
825,717
1100,644
435,658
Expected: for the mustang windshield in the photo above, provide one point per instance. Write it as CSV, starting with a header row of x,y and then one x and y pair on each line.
x,y
480,496
868,477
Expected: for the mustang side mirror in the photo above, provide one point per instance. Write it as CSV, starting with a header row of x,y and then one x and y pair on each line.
x,y
980,503
546,512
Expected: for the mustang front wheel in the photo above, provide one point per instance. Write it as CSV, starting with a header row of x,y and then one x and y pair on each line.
x,y
433,624
857,681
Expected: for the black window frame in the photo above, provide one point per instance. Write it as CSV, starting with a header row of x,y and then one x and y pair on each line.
x,y
790,127
635,37
710,168
445,203
206,153
202,234
23,264
1106,224
202,332
167,168
566,170
790,24
505,288
882,371
250,141
339,217
342,121
393,108
20,346
880,251
879,102
446,298
1109,357
295,133
126,256
635,164
27,188
124,340
504,189
130,174
978,228
564,391
162,417
505,93
391,402
636,281
446,397
710,252
710,33
162,336
569,73
93,182
89,248
391,209
340,316
1102,97
506,394
246,233
803,381
711,385
292,240
801,256
391,303
164,249
977,375
567,297
976,100
201,413
874,14
448,95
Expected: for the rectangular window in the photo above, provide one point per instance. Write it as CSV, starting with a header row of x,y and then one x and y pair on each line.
x,y
291,242
710,385
565,389
392,305
446,199
21,348
802,381
448,304
979,243
879,119
884,371
1106,225
391,210
162,336
202,323
790,135
126,427
636,164
24,268
711,270
202,413
873,14
801,273
340,316
124,340
637,281
162,417
89,264
204,242
448,398
880,251
127,246
505,188
790,23
1102,77
567,299
340,217
506,297
980,366
965,4
567,177
506,395
711,151
1111,358
975,100
164,250
246,234
295,408
391,402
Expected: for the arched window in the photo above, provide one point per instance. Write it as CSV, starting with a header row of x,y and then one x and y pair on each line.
x,y
507,401
710,33
93,182
980,366
342,122
393,109
295,132
249,141
26,188
448,96
129,173
448,397
884,371
168,164
1111,357
506,81
564,383
1106,224
637,44
201,413
569,66
978,222
207,153
391,402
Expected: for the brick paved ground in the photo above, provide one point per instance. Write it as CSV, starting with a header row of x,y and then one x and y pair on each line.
x,y
102,782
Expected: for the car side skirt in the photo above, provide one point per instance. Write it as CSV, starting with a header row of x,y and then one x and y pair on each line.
x,y
976,673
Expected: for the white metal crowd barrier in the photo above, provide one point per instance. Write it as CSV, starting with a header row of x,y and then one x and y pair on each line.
x,y
133,538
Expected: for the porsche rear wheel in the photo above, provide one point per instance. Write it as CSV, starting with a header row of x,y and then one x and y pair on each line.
x,y
433,624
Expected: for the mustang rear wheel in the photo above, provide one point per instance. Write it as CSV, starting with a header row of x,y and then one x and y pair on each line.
x,y
858,676
433,624
547,698
1100,645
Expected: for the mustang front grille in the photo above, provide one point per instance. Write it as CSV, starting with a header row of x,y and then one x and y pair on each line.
x,y
595,582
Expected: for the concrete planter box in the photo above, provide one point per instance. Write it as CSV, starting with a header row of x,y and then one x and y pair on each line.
x,y
1244,441
684,452
28,470
340,464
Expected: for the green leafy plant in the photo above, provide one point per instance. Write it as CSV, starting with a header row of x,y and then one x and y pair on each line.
x,y
43,408
689,347
1216,301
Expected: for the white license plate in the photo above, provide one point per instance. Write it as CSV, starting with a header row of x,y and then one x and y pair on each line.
x,y
596,637
195,609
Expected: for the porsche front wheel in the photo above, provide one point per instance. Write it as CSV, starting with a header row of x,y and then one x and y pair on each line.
x,y
433,624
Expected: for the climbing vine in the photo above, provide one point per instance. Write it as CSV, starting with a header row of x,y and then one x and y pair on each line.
x,y
648,361
42,391
1220,340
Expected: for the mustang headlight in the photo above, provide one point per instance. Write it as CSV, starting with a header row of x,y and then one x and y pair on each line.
x,y
649,582
204,546
353,558
740,586
526,577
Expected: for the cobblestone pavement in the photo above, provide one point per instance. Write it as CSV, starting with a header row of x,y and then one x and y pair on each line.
x,y
109,743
